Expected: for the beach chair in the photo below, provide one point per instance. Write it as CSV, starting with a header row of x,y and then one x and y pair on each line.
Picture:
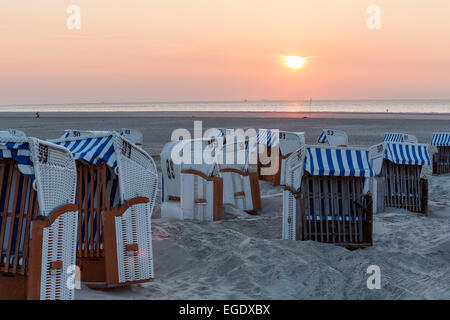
x,y
116,193
38,218
401,171
285,144
441,158
333,138
326,198
240,178
191,188
399,137
133,135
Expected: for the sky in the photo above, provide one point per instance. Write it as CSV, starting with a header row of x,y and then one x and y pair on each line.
x,y
220,50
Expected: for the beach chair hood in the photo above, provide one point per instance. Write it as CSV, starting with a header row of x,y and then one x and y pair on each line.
x,y
441,139
51,166
135,168
399,137
343,162
407,153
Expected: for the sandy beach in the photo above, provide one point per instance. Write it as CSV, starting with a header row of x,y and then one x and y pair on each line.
x,y
243,256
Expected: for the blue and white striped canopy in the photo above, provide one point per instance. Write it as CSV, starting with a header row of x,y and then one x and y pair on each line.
x,y
267,137
441,139
92,149
338,162
407,153
394,137
322,138
21,152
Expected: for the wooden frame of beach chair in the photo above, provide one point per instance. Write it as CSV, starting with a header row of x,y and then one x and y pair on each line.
x,y
441,158
286,143
38,219
117,186
325,197
333,138
240,179
401,172
191,188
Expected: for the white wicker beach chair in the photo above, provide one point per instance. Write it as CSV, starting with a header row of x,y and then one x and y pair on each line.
x,y
441,156
240,178
333,138
133,135
285,144
325,199
38,218
117,186
191,188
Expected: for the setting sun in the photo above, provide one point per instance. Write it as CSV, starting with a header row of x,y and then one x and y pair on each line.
x,y
293,62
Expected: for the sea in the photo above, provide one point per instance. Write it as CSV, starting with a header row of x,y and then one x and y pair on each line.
x,y
360,106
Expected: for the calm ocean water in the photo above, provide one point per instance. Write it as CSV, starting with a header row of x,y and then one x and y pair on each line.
x,y
392,106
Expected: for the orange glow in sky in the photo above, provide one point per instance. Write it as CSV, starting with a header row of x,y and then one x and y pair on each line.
x,y
178,50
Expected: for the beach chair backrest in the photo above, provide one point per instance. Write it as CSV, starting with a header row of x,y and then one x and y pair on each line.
x,y
334,138
290,141
133,135
376,156
238,155
294,169
189,154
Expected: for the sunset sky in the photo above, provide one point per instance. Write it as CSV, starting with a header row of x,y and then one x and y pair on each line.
x,y
179,50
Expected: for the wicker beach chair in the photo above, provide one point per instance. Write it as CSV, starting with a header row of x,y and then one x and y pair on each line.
x,y
441,156
286,143
117,186
38,218
133,135
399,176
325,197
240,177
191,187
333,138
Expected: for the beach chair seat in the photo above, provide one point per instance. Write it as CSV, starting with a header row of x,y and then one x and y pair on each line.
x,y
192,188
324,198
440,142
38,219
333,138
117,185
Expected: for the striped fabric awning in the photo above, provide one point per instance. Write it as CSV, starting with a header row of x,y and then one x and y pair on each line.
x,y
92,149
407,153
322,138
267,137
21,152
441,139
338,162
394,137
